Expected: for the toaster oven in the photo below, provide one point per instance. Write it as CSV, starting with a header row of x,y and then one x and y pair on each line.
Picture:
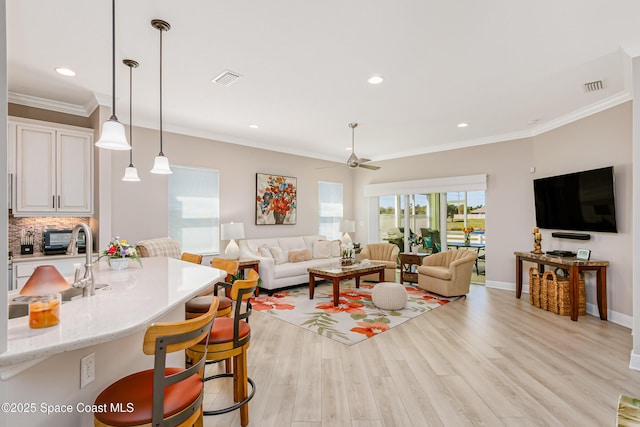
x,y
55,242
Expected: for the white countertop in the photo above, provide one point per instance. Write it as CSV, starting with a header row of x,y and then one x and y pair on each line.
x,y
39,256
134,298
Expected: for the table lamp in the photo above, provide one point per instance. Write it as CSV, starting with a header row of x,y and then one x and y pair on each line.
x,y
232,231
346,227
43,289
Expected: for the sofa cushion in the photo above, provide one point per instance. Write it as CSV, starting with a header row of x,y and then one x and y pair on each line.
x,y
254,244
291,244
299,255
277,254
264,251
321,249
439,272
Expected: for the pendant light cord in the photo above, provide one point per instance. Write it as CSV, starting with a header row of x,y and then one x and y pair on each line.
x,y
113,59
161,153
131,115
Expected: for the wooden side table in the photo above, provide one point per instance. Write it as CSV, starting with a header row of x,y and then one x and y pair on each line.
x,y
407,261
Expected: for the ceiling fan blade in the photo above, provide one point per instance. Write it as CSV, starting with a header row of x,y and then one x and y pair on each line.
x,y
363,160
371,167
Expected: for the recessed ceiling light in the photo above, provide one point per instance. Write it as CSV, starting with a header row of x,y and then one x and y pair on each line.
x,y
463,125
375,80
65,72
254,126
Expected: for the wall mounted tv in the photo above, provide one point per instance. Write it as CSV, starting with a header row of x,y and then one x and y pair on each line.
x,y
580,201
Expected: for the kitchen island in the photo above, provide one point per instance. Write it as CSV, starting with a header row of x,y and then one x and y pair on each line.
x,y
41,367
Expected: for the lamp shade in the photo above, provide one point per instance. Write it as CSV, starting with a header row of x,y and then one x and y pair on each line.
x,y
45,280
113,136
131,174
161,165
347,226
233,230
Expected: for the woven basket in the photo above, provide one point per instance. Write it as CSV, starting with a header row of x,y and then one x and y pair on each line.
x,y
550,281
534,287
559,284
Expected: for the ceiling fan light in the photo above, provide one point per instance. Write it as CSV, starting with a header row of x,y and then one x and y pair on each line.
x,y
161,165
113,136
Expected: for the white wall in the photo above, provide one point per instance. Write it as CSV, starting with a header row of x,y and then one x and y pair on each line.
x,y
139,209
600,140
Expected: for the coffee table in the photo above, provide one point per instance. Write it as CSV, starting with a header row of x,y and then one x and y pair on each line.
x,y
336,274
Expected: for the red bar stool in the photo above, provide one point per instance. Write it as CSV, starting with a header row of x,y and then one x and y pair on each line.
x,y
162,396
230,338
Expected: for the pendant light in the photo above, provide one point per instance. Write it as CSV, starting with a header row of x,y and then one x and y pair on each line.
x,y
113,136
130,173
161,163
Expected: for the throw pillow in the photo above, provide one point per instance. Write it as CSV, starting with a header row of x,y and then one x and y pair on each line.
x,y
277,255
336,248
263,251
299,255
321,249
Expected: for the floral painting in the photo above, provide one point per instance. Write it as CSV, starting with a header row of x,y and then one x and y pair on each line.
x,y
276,199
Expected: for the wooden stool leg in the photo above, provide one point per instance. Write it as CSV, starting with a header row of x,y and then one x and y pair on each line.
x,y
243,387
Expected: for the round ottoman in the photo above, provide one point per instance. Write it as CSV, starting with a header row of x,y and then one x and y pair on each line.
x,y
389,296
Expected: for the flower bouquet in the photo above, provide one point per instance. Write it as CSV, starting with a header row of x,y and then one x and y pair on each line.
x,y
467,232
119,253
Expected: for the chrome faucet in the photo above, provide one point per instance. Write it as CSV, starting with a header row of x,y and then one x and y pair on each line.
x,y
86,282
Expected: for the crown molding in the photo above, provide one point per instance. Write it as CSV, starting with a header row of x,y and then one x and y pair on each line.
x,y
582,113
47,104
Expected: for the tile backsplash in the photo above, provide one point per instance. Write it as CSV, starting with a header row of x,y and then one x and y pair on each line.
x,y
38,224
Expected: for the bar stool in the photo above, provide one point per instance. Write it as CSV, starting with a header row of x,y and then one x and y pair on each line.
x,y
189,257
230,338
200,304
161,396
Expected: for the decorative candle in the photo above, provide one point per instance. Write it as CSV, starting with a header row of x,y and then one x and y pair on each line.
x,y
535,229
538,236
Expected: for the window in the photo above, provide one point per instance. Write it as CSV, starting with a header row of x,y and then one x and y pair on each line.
x,y
330,209
194,208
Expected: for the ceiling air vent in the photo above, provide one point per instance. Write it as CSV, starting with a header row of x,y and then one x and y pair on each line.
x,y
226,78
593,86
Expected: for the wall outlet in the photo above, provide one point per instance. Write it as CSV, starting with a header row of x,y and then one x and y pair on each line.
x,y
87,369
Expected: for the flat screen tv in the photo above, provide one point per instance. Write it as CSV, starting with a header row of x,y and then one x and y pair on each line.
x,y
580,201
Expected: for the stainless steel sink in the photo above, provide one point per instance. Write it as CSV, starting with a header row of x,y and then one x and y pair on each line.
x,y
18,310
19,305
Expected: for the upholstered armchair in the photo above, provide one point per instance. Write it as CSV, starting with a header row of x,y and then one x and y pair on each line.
x,y
384,253
162,246
447,273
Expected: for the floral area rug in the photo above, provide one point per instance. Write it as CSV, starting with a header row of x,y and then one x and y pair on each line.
x,y
355,319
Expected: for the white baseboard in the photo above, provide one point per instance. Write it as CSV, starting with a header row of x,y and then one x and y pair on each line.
x,y
592,309
634,362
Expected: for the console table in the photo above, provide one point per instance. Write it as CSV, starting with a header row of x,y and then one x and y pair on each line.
x,y
407,261
575,266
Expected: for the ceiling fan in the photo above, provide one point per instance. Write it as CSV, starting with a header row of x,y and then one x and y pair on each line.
x,y
353,161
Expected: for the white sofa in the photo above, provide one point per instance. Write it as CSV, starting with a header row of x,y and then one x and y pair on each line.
x,y
279,275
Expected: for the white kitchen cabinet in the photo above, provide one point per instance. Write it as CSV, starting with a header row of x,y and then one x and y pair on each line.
x,y
53,169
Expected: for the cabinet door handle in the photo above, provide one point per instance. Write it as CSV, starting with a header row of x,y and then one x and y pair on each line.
x,y
58,201
53,202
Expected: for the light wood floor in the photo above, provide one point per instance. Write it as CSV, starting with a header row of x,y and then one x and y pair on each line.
x,y
487,360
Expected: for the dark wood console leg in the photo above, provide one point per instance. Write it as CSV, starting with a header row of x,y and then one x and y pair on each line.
x,y
602,292
574,276
518,277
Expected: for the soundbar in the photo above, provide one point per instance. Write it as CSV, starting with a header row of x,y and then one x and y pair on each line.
x,y
574,236
564,254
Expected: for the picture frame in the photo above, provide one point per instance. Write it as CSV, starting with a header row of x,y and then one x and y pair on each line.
x,y
276,199
583,254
